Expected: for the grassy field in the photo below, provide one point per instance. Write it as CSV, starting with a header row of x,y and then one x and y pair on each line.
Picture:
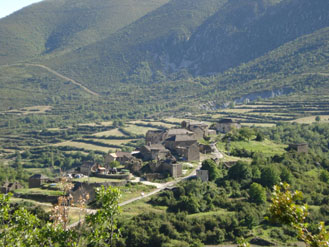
x,y
311,119
97,180
138,130
159,123
134,190
114,132
31,110
113,141
210,214
38,191
139,207
267,147
84,146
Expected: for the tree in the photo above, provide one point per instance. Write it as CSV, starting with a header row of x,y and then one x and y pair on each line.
x,y
270,176
103,224
284,209
241,170
246,133
212,168
257,193
318,118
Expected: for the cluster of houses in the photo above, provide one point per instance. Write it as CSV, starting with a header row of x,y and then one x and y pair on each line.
x,y
158,157
162,151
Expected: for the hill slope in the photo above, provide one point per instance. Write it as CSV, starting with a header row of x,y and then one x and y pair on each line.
x,y
163,59
50,26
207,37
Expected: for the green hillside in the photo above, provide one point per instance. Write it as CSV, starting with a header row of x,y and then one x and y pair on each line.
x,y
65,24
157,55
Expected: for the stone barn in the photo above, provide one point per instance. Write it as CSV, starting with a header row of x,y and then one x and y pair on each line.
x,y
37,180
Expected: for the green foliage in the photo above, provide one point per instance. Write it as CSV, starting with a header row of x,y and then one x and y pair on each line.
x,y
324,176
213,169
257,193
285,210
103,224
270,176
240,171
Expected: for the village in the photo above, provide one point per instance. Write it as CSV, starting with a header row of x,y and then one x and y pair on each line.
x,y
167,154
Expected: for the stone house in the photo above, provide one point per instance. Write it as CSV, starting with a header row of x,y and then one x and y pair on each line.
x,y
87,168
37,180
109,158
299,147
205,148
203,175
226,125
184,146
200,129
175,170
154,152
154,136
123,157
9,187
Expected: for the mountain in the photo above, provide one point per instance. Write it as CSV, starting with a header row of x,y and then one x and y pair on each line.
x,y
200,37
170,52
57,25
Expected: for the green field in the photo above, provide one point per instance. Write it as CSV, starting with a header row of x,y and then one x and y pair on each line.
x,y
84,146
114,132
267,147
39,191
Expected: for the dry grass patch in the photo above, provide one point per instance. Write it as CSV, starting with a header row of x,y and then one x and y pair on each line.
x,y
311,119
114,132
113,142
138,130
84,146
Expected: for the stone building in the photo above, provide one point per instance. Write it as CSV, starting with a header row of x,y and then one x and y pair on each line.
x,y
37,180
185,146
153,152
200,129
203,175
299,147
175,170
154,136
9,187
226,125
87,168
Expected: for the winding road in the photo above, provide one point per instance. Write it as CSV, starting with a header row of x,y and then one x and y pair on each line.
x,y
160,187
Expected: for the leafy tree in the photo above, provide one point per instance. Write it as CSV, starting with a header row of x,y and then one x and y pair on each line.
x,y
324,176
246,133
284,209
241,170
270,176
257,193
212,168
103,224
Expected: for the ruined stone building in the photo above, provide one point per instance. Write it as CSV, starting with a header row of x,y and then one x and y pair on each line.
x,y
226,125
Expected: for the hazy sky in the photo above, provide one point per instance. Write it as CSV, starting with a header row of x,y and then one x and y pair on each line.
x,y
9,6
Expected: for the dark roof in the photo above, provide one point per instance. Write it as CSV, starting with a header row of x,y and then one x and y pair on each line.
x,y
298,144
158,147
39,176
201,124
181,138
120,154
172,132
226,120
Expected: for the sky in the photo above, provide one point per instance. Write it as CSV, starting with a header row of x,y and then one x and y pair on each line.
x,y
9,6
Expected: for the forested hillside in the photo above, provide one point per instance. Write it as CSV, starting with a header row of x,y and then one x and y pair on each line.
x,y
59,25
182,54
